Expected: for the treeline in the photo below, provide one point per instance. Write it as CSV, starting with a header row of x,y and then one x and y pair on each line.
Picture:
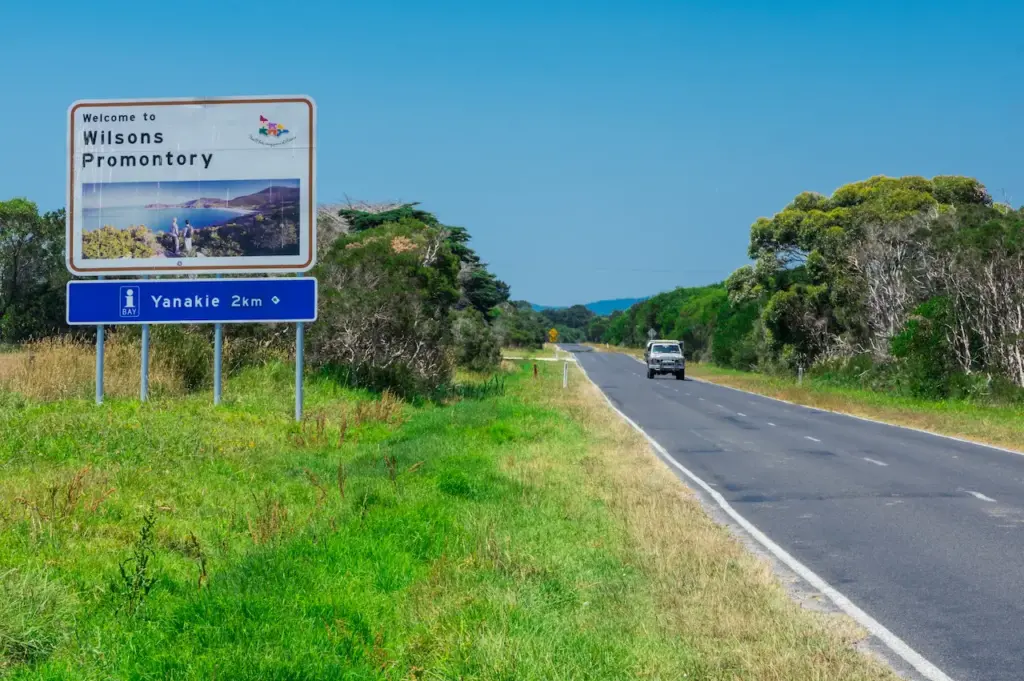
x,y
404,299
907,285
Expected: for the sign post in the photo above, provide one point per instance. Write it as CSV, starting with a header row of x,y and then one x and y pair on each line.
x,y
300,352
184,187
99,362
218,350
144,373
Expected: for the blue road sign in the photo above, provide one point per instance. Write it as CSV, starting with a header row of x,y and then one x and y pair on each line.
x,y
192,301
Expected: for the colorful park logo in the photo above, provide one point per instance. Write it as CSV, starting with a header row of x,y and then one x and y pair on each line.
x,y
271,129
271,134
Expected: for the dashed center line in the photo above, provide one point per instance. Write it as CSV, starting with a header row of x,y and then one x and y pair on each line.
x,y
701,399
740,413
771,424
979,495
877,463
812,439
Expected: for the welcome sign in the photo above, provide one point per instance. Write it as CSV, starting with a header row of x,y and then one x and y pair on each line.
x,y
171,186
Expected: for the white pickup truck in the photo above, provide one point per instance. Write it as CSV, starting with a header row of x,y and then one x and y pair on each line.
x,y
665,357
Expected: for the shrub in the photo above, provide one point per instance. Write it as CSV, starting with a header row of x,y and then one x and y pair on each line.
x,y
923,352
111,242
386,296
187,350
476,347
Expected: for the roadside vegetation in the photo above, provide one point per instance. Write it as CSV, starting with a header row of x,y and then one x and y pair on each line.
x,y
905,291
515,531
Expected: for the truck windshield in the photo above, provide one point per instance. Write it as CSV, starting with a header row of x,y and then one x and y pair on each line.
x,y
665,348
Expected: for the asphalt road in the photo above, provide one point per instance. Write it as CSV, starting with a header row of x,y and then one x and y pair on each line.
x,y
924,533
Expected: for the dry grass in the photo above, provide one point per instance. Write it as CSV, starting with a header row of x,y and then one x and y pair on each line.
x,y
710,591
603,347
548,351
322,427
1002,426
57,368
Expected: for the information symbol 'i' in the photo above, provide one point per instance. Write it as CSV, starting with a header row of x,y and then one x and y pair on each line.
x,y
129,302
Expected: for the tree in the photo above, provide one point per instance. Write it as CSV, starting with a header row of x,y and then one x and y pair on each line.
x,y
553,335
840,274
517,325
476,347
32,271
575,317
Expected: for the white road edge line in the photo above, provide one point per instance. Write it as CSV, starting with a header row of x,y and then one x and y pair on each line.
x,y
877,629
979,495
877,463
812,439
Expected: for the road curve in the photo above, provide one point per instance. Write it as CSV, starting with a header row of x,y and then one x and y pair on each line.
x,y
924,533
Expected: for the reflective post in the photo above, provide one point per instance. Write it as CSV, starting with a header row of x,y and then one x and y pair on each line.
x,y
144,381
565,375
99,361
218,350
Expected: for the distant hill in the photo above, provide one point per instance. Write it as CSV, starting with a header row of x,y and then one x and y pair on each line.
x,y
599,307
270,197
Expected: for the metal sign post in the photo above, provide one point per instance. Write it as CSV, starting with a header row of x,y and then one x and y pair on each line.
x,y
218,349
300,351
99,362
144,369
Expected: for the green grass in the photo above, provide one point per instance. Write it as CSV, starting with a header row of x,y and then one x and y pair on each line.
x,y
521,534
1001,425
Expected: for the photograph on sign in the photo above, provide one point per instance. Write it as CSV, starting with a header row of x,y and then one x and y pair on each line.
x,y
191,186
221,218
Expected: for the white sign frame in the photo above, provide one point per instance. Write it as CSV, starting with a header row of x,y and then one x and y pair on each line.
x,y
295,153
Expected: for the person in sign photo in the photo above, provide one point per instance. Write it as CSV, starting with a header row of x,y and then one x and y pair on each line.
x,y
175,233
189,233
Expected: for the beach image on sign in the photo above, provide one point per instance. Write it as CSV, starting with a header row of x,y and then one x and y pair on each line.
x,y
208,219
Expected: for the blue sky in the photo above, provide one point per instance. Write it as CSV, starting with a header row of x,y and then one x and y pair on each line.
x,y
112,194
593,149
